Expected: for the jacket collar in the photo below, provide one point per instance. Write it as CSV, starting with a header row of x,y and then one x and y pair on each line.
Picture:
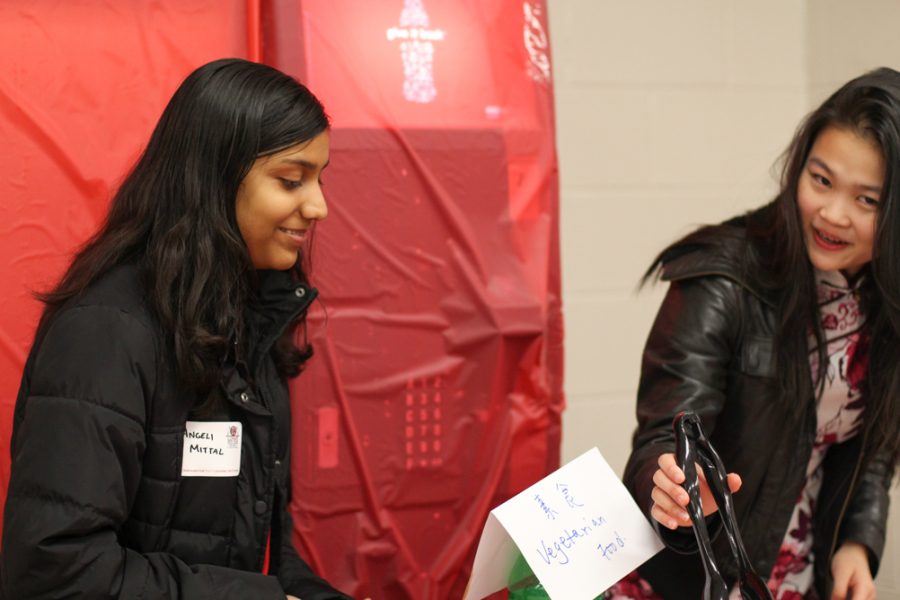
x,y
718,256
279,300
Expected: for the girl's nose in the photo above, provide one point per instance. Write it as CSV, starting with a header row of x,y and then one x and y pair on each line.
x,y
314,207
835,212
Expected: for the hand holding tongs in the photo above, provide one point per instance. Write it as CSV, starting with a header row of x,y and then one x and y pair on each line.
x,y
692,448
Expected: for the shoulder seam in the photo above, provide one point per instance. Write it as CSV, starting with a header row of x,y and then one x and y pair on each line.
x,y
130,314
733,278
89,401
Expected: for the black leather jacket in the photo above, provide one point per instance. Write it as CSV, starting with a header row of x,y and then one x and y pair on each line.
x,y
710,351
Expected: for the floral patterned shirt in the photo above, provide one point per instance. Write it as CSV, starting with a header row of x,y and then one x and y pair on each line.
x,y
839,418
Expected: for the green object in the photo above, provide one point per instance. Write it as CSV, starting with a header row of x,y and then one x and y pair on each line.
x,y
524,585
532,592
537,592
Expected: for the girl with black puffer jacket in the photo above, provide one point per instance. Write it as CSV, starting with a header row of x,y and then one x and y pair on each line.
x,y
151,440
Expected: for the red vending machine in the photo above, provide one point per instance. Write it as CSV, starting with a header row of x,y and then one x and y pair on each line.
x,y
436,389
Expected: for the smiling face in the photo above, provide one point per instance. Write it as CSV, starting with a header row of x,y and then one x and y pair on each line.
x,y
838,195
279,200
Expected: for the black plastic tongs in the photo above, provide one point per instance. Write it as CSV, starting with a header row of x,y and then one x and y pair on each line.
x,y
692,447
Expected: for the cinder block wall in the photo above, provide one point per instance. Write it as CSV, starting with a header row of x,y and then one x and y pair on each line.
x,y
846,39
670,115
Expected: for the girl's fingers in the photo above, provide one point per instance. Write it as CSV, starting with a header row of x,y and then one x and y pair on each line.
x,y
673,512
675,491
663,518
670,499
668,465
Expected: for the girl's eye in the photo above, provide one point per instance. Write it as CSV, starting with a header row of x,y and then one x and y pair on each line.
x,y
289,184
821,179
869,201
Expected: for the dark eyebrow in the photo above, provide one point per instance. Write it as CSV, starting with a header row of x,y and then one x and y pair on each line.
x,y
304,163
821,163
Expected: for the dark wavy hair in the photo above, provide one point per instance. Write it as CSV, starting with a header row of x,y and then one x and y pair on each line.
x,y
778,258
174,215
869,106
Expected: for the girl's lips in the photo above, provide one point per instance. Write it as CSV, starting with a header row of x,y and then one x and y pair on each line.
x,y
298,236
827,242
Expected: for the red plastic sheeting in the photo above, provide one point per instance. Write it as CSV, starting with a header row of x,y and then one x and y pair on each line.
x,y
82,83
436,389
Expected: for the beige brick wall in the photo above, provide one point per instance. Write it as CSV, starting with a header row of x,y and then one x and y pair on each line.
x,y
672,114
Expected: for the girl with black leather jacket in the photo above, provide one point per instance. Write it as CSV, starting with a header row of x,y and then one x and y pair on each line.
x,y
781,330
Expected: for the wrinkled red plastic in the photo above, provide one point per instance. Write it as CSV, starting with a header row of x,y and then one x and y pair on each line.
x,y
439,338
82,83
436,390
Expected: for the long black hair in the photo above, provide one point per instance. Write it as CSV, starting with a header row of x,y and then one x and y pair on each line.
x,y
869,106
174,214
778,259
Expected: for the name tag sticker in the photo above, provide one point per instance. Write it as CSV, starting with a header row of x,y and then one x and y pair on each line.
x,y
211,449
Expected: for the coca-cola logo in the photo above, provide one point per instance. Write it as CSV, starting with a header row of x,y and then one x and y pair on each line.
x,y
417,40
536,43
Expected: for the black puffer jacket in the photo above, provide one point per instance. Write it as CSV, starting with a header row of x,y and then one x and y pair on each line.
x,y
97,507
710,351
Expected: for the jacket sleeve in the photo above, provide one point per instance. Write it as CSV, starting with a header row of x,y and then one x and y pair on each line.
x,y
76,465
295,575
684,368
865,521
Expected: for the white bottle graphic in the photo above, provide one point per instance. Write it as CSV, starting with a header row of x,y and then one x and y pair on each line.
x,y
417,53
